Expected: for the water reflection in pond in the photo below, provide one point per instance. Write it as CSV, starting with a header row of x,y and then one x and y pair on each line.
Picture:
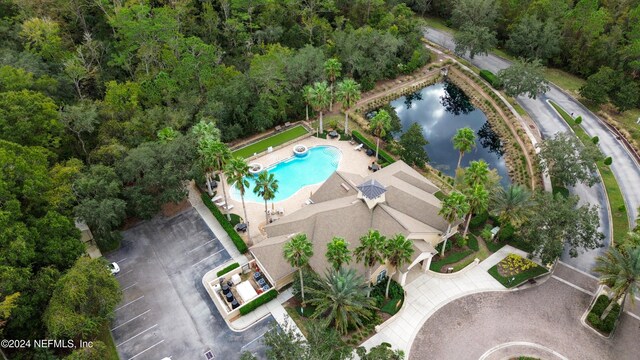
x,y
441,110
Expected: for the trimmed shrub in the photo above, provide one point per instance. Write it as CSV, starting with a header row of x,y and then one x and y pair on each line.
x,y
381,153
263,299
608,161
479,219
595,140
491,78
578,120
227,269
449,245
226,225
472,242
460,241
506,232
486,232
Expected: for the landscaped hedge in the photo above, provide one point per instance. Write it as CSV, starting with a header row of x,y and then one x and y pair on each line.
x,y
227,269
606,325
472,242
263,299
381,153
226,225
491,78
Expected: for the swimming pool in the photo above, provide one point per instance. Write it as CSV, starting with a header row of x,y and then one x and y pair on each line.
x,y
295,173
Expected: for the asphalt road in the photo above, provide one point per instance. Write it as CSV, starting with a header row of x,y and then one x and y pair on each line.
x,y
166,312
547,315
625,169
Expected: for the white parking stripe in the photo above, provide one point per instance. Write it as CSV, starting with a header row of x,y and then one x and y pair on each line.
x,y
147,349
252,341
216,253
199,246
128,321
121,260
573,285
123,274
130,286
129,303
136,335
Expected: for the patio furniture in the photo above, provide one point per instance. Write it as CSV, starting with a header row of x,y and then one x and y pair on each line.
x,y
287,124
216,198
358,148
278,128
220,203
308,202
374,167
280,211
370,152
228,207
333,134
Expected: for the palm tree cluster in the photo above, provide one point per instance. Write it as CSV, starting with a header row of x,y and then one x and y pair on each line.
x,y
620,271
342,297
321,95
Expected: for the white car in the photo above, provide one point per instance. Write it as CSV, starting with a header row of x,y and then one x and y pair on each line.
x,y
114,268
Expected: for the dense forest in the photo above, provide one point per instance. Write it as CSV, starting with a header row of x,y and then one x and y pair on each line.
x,y
102,103
598,40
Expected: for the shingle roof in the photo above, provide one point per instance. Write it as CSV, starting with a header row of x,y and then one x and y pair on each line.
x,y
371,189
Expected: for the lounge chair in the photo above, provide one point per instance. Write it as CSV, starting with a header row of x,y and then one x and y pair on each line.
x,y
280,211
220,203
287,124
278,128
308,202
228,207
216,198
358,148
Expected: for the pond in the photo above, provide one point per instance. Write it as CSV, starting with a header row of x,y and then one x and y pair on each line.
x,y
441,110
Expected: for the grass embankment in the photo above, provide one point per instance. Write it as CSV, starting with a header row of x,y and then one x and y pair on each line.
x,y
105,336
619,217
275,140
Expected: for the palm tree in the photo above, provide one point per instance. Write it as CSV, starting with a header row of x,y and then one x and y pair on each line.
x,y
370,252
477,173
332,68
237,171
464,140
398,251
512,205
320,99
379,125
478,198
348,93
266,187
338,252
307,95
341,298
620,271
218,155
454,207
297,252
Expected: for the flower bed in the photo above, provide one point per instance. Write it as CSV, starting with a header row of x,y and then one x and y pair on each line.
x,y
513,270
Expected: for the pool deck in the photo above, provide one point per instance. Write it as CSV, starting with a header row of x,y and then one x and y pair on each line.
x,y
352,161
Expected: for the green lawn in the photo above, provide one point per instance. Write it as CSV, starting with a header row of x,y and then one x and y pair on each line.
x,y
449,258
275,140
564,80
517,279
616,201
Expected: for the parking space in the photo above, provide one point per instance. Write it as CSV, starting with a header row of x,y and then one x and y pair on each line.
x,y
165,311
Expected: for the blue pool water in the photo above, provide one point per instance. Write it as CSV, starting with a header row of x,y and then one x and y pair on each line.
x,y
295,173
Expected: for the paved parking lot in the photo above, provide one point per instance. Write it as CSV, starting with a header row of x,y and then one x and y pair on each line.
x,y
165,311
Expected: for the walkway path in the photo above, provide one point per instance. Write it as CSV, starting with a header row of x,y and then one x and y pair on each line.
x,y
430,291
274,308
625,168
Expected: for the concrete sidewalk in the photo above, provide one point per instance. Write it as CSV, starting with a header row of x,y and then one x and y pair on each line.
x,y
429,292
274,307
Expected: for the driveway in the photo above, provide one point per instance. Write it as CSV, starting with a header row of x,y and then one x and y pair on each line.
x,y
625,169
165,311
547,316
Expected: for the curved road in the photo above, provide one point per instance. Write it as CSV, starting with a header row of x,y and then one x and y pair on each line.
x,y
625,168
546,315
